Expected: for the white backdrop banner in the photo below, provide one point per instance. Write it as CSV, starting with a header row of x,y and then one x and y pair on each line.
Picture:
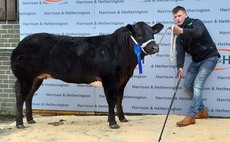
x,y
150,92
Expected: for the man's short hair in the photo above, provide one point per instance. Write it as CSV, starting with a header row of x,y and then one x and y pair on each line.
x,y
178,8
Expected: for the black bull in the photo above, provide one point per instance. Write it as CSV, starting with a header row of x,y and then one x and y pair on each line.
x,y
109,59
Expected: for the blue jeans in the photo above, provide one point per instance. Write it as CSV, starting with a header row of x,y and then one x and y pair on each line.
x,y
195,78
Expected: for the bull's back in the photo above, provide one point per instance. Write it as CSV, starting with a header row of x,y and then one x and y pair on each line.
x,y
61,56
33,53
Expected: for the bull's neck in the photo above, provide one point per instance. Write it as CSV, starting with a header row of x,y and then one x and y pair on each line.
x,y
128,50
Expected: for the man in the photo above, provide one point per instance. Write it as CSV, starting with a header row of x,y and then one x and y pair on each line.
x,y
194,39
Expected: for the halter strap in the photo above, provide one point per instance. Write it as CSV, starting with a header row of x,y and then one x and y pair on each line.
x,y
143,44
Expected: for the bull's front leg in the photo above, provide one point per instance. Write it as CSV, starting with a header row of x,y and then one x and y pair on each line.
x,y
111,97
120,112
111,117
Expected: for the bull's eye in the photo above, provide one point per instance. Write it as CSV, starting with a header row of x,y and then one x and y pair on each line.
x,y
139,36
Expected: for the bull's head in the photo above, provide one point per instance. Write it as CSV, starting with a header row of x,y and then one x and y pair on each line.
x,y
143,34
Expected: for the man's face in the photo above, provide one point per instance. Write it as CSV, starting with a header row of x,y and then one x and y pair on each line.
x,y
179,17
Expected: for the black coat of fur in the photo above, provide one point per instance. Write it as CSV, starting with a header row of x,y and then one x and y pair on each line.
x,y
106,58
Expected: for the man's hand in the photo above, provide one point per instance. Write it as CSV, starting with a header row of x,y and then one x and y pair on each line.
x,y
180,73
177,30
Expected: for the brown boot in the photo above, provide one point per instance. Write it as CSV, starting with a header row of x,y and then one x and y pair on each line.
x,y
202,114
186,121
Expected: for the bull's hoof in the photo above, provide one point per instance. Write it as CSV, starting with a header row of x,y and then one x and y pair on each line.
x,y
31,121
124,120
114,126
20,126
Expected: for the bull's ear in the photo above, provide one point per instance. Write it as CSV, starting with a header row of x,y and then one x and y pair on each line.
x,y
130,29
157,28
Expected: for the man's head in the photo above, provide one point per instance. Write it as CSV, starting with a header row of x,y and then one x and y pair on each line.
x,y
179,15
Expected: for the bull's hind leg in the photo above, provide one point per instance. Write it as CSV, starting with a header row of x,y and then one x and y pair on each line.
x,y
36,84
19,102
22,88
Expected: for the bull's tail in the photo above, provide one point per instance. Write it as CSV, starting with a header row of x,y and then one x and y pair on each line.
x,y
14,60
17,87
20,58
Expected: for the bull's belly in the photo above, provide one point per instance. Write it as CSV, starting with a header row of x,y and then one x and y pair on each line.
x,y
96,83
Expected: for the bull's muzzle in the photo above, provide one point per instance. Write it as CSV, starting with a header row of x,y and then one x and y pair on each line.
x,y
156,49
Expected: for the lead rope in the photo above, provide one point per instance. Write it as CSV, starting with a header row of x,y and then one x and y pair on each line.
x,y
172,46
172,43
171,55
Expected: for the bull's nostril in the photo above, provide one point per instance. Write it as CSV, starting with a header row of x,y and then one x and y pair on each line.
x,y
156,50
